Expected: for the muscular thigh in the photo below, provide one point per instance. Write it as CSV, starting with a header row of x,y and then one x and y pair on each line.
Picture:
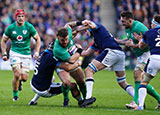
x,y
78,75
141,61
113,59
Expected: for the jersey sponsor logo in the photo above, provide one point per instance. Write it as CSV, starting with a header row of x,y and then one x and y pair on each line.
x,y
24,32
19,38
14,32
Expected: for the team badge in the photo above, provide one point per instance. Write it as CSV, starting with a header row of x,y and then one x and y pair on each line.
x,y
19,38
24,31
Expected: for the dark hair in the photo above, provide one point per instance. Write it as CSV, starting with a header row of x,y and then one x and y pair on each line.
x,y
157,18
127,14
62,32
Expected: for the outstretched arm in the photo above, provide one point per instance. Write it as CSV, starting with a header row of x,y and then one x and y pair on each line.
x,y
87,52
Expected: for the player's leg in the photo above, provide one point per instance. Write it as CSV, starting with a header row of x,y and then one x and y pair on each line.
x,y
93,67
119,68
76,93
151,70
79,78
25,68
121,79
34,100
138,75
65,78
16,68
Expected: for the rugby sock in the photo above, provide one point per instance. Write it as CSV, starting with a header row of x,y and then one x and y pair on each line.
x,y
142,95
151,91
15,93
135,98
130,90
65,91
83,91
89,86
78,98
35,98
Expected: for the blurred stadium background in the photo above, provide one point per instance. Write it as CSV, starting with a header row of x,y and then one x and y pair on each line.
x,y
48,15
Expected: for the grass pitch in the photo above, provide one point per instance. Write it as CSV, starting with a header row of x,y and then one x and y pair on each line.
x,y
111,99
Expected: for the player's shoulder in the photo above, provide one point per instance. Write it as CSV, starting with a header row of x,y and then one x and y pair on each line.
x,y
12,26
139,27
28,24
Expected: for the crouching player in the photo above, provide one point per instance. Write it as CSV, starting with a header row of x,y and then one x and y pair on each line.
x,y
41,82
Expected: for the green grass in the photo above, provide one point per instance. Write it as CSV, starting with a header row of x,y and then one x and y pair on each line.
x,y
111,99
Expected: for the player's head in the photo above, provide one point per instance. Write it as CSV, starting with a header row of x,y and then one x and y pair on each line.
x,y
155,21
127,19
19,16
50,45
63,36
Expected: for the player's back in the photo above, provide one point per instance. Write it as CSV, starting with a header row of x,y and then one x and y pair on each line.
x,y
104,39
43,71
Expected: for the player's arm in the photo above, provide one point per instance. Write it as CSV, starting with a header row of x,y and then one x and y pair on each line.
x,y
142,44
89,23
87,52
4,47
38,45
82,28
68,67
75,56
121,42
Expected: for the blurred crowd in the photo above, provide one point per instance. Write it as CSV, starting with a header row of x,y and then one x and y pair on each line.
x,y
48,15
143,11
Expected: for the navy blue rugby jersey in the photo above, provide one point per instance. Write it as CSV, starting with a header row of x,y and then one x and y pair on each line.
x,y
44,69
152,38
103,39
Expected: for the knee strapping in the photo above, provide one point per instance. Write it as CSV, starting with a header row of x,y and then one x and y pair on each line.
x,y
93,67
121,79
146,79
25,70
16,66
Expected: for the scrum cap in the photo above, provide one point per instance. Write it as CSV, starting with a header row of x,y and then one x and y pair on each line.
x,y
18,12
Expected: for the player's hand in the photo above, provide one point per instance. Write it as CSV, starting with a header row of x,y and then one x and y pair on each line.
x,y
5,58
79,62
36,54
78,46
137,36
129,43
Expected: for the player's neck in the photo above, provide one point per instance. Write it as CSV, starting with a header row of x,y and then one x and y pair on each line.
x,y
20,24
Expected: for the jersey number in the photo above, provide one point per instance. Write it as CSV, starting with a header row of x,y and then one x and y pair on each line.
x,y
158,42
36,69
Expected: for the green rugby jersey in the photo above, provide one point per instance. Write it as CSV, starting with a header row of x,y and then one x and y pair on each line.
x,y
137,27
20,37
60,52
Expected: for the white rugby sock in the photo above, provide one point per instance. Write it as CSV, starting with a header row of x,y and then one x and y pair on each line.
x,y
130,90
35,98
142,95
89,86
